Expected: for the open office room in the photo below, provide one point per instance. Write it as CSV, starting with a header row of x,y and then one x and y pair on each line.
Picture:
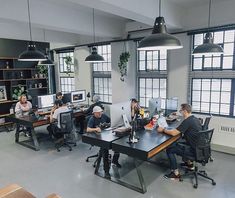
x,y
91,96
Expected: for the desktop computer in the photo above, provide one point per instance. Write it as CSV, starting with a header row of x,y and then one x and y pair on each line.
x,y
46,102
78,96
120,114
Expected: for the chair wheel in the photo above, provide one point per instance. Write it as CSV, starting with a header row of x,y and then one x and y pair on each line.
x,y
58,150
87,160
195,185
94,165
75,144
70,149
213,183
181,179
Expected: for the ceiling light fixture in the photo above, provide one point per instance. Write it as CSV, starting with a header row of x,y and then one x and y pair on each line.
x,y
94,57
208,47
160,39
31,54
48,61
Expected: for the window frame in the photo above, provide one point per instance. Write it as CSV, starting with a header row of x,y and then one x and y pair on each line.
x,y
214,73
103,74
151,74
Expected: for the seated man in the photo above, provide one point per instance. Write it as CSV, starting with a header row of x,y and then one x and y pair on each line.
x,y
55,116
189,128
93,125
88,113
59,96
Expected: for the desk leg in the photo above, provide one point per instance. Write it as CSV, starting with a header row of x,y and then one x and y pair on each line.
x,y
141,179
98,163
35,140
17,133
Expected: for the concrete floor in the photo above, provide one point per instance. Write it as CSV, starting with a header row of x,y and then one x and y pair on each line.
x,y
66,173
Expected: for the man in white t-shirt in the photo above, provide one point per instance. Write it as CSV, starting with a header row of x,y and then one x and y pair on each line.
x,y
55,116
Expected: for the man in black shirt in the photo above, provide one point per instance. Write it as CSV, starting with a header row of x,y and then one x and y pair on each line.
x,y
189,129
94,125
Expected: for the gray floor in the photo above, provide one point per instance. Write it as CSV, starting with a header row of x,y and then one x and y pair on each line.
x,y
67,174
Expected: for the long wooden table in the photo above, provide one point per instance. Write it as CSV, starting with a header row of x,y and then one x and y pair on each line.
x,y
150,144
32,122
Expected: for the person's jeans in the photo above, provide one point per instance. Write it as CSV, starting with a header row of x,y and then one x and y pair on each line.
x,y
178,149
105,155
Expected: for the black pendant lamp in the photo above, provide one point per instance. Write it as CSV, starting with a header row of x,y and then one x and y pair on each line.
x,y
94,57
48,61
159,39
31,54
208,47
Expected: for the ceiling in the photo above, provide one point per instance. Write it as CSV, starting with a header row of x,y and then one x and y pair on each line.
x,y
70,21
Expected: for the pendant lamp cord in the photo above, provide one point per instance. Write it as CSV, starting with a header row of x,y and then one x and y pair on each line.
x,y
160,3
93,15
30,31
209,19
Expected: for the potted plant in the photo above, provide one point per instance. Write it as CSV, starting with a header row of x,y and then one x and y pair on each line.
x,y
122,65
18,91
69,63
42,70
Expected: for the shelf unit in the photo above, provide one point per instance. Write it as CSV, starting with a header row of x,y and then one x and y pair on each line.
x,y
14,73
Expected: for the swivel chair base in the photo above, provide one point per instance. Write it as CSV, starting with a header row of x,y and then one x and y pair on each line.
x,y
197,173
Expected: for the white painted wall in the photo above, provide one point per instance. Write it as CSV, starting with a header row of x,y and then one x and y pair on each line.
x,y
222,12
82,69
123,91
178,68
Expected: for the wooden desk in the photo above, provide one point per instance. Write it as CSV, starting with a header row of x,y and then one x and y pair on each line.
x,y
150,144
15,191
31,122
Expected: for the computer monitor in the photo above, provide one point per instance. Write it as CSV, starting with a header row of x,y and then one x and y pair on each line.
x,y
171,105
119,109
155,105
66,98
78,96
46,101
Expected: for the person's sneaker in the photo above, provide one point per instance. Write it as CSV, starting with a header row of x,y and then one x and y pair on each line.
x,y
187,166
107,175
117,164
173,176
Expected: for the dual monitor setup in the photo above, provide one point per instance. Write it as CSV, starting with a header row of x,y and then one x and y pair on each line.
x,y
47,101
155,105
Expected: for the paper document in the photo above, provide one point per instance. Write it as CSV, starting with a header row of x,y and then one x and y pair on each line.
x,y
162,122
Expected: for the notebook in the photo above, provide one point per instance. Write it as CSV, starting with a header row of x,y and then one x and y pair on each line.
x,y
162,122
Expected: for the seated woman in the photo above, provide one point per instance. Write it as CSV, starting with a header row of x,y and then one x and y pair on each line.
x,y
135,108
23,107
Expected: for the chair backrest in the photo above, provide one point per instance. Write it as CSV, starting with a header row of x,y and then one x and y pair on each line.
x,y
205,126
66,122
203,146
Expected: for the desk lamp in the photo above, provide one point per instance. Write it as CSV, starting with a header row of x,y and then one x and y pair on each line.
x,y
88,96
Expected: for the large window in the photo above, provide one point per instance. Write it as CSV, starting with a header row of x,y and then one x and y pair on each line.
x,y
213,77
102,84
66,72
151,76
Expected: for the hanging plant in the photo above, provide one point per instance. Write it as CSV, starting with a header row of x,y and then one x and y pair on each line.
x,y
69,63
122,65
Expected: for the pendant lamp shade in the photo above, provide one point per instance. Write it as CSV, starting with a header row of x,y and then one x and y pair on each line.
x,y
159,39
48,61
208,47
94,57
31,54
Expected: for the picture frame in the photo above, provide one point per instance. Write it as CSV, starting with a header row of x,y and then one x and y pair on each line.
x,y
3,93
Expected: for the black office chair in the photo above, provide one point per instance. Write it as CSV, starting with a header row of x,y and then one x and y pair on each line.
x,y
66,128
205,126
202,156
